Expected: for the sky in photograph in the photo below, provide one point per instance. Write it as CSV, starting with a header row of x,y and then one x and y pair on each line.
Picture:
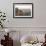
x,y
23,6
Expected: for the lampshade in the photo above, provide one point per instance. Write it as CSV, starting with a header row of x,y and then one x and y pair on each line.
x,y
7,30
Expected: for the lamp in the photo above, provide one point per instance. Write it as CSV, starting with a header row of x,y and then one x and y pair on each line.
x,y
7,31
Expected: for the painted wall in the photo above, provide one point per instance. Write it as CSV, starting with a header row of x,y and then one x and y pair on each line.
x,y
39,13
38,23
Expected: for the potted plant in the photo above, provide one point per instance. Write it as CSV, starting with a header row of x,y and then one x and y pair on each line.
x,y
2,18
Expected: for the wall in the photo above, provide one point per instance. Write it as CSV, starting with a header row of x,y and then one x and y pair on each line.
x,y
39,13
25,25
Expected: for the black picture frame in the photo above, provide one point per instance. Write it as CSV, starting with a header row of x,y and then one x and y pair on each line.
x,y
26,10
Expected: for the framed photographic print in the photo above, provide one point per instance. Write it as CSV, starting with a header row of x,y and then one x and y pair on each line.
x,y
22,10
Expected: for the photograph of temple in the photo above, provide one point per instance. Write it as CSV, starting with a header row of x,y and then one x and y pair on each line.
x,y
22,12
